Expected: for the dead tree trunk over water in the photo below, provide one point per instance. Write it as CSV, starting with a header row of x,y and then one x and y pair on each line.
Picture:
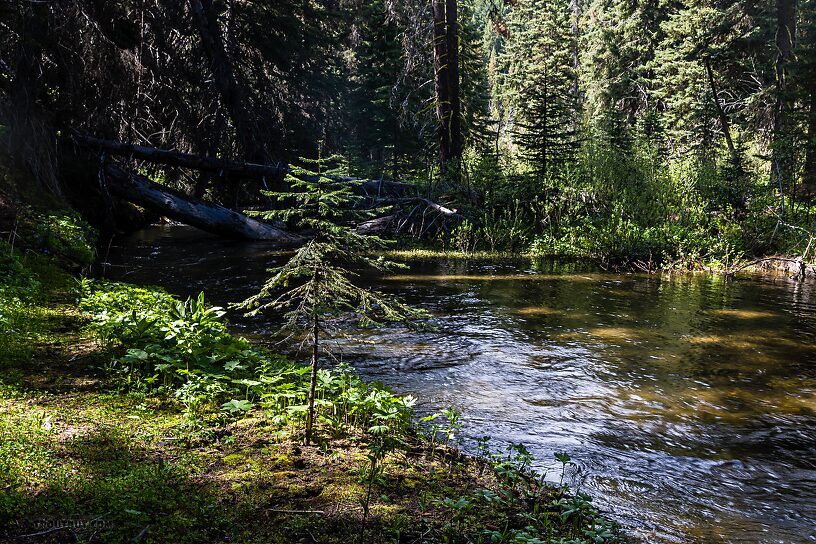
x,y
208,217
389,196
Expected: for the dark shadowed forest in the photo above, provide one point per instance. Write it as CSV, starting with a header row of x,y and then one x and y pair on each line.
x,y
669,133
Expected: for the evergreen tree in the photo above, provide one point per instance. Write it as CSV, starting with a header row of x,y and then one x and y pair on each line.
x,y
379,142
782,148
539,83
618,39
474,84
803,89
702,64
317,284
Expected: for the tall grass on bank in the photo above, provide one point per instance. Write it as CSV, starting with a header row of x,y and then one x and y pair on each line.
x,y
638,205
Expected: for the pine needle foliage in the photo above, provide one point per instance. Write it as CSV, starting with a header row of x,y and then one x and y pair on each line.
x,y
318,283
539,82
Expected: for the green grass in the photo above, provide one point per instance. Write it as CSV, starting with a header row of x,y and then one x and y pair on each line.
x,y
90,457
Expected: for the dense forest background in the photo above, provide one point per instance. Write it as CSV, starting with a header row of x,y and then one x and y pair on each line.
x,y
663,131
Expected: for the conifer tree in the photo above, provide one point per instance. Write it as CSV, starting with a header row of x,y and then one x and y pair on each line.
x,y
539,82
803,87
318,284
703,56
618,42
380,142
474,85
782,152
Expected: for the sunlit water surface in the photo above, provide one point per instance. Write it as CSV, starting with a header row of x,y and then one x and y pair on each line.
x,y
688,403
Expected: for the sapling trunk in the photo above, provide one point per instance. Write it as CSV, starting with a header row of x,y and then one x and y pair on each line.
x,y
367,504
313,381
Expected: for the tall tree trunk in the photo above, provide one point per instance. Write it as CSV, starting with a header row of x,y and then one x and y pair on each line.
x,y
452,30
204,179
446,66
441,80
785,42
33,141
726,129
395,173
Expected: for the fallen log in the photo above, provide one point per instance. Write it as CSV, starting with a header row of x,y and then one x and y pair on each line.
x,y
218,220
800,265
182,160
237,169
376,226
424,218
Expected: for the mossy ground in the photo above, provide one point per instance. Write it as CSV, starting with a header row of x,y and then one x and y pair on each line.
x,y
123,467
409,254
773,265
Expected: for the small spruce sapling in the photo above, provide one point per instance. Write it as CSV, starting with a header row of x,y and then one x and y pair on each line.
x,y
317,284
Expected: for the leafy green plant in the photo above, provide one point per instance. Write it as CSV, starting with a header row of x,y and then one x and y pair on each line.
x,y
236,407
523,507
183,349
445,430
464,237
22,278
506,228
63,234
373,469
564,459
458,510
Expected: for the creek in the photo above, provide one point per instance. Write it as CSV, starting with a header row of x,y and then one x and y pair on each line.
x,y
687,402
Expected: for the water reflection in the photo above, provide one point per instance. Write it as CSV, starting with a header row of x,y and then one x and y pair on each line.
x,y
689,402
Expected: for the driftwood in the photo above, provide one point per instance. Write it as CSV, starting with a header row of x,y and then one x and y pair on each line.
x,y
801,265
208,217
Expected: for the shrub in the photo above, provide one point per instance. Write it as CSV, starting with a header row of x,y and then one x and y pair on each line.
x,y
183,349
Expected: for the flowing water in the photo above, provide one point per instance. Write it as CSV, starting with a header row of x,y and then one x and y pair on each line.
x,y
687,403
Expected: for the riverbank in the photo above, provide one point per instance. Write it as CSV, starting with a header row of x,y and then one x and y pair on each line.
x,y
788,266
103,441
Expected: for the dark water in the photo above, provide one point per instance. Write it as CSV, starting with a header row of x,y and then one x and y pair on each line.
x,y
688,403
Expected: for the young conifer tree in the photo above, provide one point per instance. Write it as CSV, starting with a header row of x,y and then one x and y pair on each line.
x,y
317,284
